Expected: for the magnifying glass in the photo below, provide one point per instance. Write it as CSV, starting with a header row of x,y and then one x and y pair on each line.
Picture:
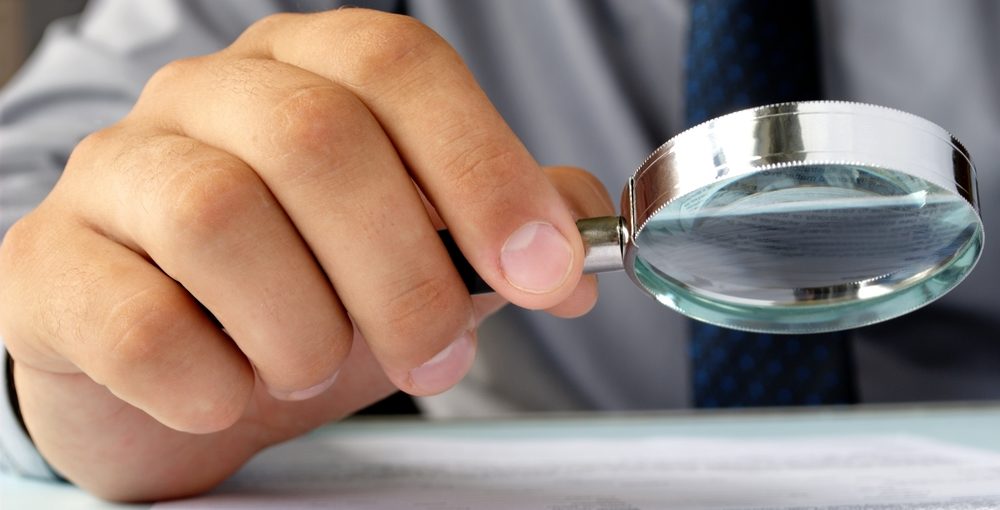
x,y
794,218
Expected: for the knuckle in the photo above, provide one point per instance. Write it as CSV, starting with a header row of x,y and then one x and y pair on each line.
x,y
100,152
18,246
209,411
42,294
93,145
316,356
263,26
208,197
18,250
476,164
424,305
138,330
166,77
140,350
315,122
387,44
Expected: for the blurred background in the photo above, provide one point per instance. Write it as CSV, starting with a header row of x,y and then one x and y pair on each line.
x,y
22,23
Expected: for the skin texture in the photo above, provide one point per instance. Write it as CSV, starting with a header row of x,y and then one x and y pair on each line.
x,y
291,184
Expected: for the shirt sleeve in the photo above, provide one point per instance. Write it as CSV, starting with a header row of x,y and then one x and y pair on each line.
x,y
17,453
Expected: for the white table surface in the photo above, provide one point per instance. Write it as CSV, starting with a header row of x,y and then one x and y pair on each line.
x,y
971,425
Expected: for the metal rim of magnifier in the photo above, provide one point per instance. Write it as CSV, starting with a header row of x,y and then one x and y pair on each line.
x,y
811,133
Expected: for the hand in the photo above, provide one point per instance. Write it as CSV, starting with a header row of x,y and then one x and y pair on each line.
x,y
290,184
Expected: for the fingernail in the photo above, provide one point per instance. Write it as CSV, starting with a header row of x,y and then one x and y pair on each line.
x,y
306,393
446,368
536,258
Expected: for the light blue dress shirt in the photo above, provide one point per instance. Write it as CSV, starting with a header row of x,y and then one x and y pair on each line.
x,y
596,84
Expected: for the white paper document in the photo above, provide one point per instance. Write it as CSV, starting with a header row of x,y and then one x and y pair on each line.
x,y
420,473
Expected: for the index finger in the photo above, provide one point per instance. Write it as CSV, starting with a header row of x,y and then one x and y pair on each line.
x,y
509,221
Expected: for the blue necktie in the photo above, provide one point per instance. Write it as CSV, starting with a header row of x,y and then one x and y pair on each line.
x,y
744,53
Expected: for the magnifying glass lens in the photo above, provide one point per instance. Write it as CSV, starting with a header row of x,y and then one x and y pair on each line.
x,y
807,248
793,218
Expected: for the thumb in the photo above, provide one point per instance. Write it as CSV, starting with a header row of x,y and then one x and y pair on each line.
x,y
585,197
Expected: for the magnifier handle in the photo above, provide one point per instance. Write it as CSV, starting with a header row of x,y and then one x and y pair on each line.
x,y
470,277
603,240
